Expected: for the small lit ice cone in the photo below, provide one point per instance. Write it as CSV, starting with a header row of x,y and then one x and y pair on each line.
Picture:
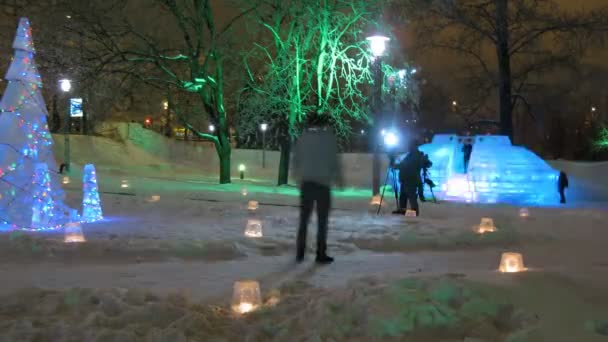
x,y
524,212
410,213
254,229
253,205
486,226
246,297
511,263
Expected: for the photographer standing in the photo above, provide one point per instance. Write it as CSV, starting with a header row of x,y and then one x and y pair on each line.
x,y
409,177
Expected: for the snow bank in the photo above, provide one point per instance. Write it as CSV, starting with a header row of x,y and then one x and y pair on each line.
x,y
367,310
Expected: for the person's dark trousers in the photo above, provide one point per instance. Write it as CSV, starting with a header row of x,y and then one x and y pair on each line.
x,y
409,193
311,193
562,196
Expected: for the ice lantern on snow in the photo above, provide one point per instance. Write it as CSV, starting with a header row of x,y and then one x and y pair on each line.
x,y
73,230
486,226
253,205
244,192
410,213
254,229
246,296
511,263
376,200
524,212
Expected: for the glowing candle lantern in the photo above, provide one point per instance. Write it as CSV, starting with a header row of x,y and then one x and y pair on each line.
x,y
124,184
244,192
524,212
253,205
486,226
66,180
246,297
73,230
410,213
153,198
376,200
511,263
254,229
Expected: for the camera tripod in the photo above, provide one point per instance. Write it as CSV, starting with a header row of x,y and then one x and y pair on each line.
x,y
389,172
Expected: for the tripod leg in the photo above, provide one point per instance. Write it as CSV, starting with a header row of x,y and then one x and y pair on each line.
x,y
383,190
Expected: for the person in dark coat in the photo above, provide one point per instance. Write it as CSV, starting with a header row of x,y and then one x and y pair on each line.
x,y
316,168
562,184
410,179
467,149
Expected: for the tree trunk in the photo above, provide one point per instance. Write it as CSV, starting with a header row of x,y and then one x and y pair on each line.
x,y
223,153
504,67
284,161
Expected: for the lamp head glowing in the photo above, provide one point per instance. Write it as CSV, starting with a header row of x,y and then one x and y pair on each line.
x,y
264,127
242,168
391,139
377,44
65,85
165,105
211,128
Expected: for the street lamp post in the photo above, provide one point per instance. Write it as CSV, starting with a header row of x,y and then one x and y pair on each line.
x,y
377,44
66,85
264,128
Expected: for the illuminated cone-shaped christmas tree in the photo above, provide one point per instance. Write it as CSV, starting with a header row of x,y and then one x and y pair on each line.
x,y
25,142
91,205
42,207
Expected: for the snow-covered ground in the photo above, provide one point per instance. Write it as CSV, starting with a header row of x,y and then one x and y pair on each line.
x,y
176,240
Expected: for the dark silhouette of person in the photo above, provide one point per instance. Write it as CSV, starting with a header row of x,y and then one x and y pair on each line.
x,y
562,184
316,167
467,149
409,177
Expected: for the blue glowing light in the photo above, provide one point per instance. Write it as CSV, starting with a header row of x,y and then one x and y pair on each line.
x,y
91,204
42,207
498,172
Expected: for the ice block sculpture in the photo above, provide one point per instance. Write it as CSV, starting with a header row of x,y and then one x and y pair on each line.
x,y
501,172
91,204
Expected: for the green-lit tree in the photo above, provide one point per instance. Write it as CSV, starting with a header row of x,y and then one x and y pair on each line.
x,y
602,141
315,59
185,50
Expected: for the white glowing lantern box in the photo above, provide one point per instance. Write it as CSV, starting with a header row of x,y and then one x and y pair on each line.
x,y
524,212
254,229
486,226
410,213
511,263
66,180
376,200
124,184
253,205
244,192
73,233
246,297
153,198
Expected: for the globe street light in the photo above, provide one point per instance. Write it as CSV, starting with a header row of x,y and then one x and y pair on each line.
x,y
264,128
66,85
211,128
377,45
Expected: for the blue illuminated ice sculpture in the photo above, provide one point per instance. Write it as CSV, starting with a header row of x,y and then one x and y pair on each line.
x,y
91,204
498,172
42,206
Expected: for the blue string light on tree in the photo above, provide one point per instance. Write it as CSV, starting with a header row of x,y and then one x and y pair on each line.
x,y
42,208
91,204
